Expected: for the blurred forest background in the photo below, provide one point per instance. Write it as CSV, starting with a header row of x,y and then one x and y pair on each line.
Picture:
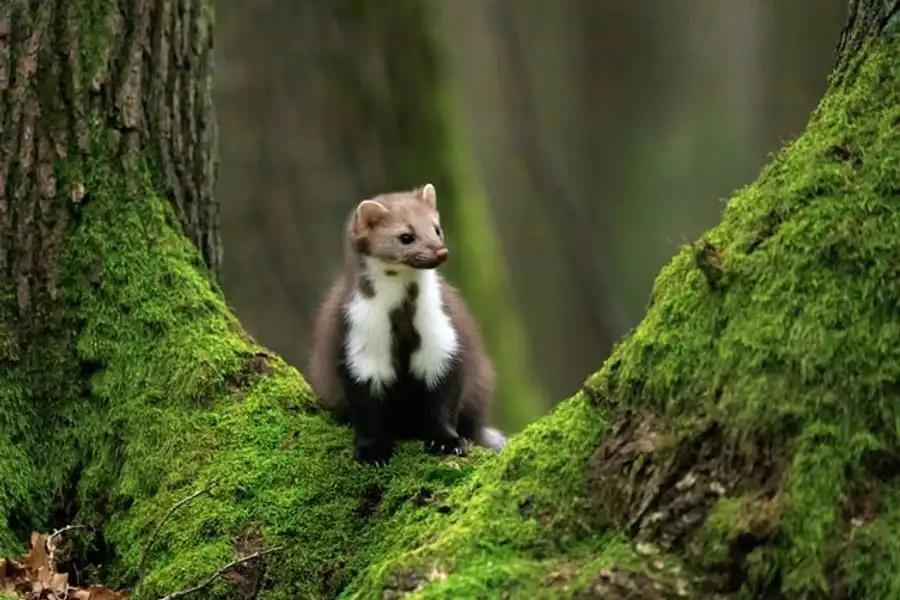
x,y
574,145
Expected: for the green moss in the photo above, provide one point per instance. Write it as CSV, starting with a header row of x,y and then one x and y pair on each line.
x,y
19,478
180,399
20,490
524,511
793,340
874,545
728,519
517,575
95,39
814,490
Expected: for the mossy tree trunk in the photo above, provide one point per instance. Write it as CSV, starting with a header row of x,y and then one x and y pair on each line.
x,y
86,88
138,73
742,440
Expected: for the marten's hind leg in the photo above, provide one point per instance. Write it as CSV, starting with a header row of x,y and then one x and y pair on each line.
x,y
472,425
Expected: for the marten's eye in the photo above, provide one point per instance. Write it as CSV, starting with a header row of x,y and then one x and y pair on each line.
x,y
406,238
437,230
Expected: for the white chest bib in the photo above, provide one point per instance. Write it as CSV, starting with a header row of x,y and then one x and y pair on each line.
x,y
369,339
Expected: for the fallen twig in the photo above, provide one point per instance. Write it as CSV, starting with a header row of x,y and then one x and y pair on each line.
x,y
146,553
219,572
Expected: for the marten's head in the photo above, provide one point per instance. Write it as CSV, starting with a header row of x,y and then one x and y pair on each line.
x,y
401,228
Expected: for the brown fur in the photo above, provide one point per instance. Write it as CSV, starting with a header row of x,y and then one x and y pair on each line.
x,y
478,372
328,337
374,230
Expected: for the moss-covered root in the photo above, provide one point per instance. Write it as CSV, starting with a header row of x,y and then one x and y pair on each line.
x,y
781,328
183,402
517,525
180,401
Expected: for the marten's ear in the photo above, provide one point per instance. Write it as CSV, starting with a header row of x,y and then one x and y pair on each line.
x,y
429,196
368,213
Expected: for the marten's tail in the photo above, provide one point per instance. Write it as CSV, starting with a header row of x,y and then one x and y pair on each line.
x,y
489,437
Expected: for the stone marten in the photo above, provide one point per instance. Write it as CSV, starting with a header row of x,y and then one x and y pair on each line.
x,y
396,351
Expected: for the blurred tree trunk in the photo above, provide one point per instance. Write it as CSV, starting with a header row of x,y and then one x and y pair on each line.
x,y
574,229
608,133
356,104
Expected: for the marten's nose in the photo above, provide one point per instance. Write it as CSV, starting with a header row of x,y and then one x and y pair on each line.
x,y
441,254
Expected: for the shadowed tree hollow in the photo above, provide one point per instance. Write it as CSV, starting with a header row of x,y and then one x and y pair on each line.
x,y
742,440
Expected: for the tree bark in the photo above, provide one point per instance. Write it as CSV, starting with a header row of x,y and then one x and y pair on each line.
x,y
137,75
741,441
96,97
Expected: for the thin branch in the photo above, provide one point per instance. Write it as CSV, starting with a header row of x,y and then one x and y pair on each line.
x,y
50,544
59,532
146,553
219,572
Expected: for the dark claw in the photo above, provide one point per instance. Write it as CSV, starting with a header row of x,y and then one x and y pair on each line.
x,y
455,446
376,454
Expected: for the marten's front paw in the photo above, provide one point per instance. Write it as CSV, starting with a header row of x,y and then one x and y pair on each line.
x,y
456,446
376,454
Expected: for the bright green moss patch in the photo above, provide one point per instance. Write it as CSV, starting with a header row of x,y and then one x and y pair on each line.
x,y
20,481
514,575
872,546
728,519
524,511
814,495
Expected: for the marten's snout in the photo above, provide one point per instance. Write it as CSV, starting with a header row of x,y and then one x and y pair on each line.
x,y
441,255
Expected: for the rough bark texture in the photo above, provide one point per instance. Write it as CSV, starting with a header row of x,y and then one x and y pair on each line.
x,y
95,97
138,72
742,441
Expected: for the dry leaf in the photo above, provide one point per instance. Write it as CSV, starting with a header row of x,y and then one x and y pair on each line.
x,y
37,556
33,577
